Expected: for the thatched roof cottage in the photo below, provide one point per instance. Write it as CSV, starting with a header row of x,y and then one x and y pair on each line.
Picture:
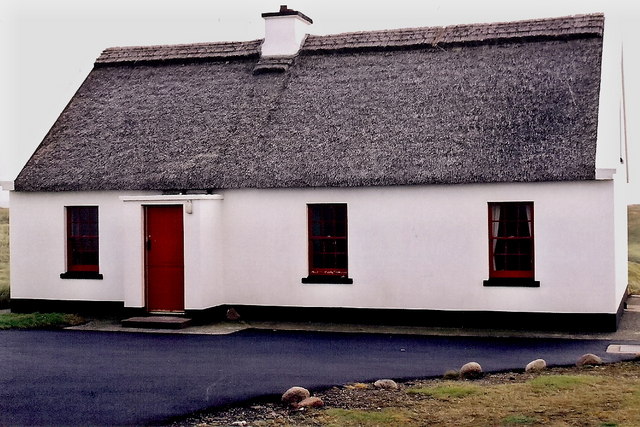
x,y
442,174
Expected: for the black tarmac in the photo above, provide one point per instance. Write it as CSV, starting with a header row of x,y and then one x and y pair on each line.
x,y
101,378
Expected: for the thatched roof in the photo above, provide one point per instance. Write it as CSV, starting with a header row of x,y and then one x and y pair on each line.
x,y
510,102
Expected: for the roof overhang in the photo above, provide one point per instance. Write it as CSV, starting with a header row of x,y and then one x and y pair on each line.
x,y
6,185
605,174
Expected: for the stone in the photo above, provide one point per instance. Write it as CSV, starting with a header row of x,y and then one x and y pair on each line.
x,y
386,384
535,365
589,359
471,370
295,395
310,402
451,374
232,314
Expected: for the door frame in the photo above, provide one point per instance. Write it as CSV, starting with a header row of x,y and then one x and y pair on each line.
x,y
146,257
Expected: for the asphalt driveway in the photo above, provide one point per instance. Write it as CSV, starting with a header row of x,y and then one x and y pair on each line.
x,y
100,378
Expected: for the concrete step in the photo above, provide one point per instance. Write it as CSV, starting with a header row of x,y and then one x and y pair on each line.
x,y
633,300
633,303
624,349
157,322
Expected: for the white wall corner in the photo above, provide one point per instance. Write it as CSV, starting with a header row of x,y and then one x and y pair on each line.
x,y
285,32
6,185
609,131
605,174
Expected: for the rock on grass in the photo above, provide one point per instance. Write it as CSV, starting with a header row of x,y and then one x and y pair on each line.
x,y
536,365
589,359
471,371
295,395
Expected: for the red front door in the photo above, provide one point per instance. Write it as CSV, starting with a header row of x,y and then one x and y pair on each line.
x,y
164,248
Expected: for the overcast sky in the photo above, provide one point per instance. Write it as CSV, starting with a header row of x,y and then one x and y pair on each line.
x,y
47,47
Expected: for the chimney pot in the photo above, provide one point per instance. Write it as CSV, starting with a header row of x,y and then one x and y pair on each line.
x,y
285,31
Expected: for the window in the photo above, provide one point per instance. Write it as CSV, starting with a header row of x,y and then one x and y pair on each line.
x,y
511,248
82,243
327,243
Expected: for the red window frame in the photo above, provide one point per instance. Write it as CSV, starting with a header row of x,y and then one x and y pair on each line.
x,y
82,239
328,254
511,240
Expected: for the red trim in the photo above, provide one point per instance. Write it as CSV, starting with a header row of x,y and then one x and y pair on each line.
x,y
82,219
328,218
89,267
510,250
164,258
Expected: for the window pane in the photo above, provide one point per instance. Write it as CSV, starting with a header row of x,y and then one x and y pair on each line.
x,y
82,238
511,239
327,239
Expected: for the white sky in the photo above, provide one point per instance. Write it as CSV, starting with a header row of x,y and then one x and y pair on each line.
x,y
47,47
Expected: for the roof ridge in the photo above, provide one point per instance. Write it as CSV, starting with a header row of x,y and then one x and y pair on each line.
x,y
573,25
179,51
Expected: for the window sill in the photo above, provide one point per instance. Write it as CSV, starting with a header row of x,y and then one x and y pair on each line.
x,y
81,275
513,282
328,279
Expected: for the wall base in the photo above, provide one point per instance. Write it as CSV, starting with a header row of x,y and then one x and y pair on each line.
x,y
85,308
584,322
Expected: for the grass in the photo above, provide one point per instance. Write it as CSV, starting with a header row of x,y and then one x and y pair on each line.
x,y
561,382
447,391
38,320
357,417
606,395
4,258
634,248
518,420
598,396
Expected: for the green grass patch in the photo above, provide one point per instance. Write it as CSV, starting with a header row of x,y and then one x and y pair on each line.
x,y
633,227
634,278
518,420
38,320
562,382
4,296
358,417
447,390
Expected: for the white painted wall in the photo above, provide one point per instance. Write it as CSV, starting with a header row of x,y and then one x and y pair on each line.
x,y
422,247
621,232
203,259
38,253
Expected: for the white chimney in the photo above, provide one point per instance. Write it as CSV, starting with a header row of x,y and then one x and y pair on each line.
x,y
284,32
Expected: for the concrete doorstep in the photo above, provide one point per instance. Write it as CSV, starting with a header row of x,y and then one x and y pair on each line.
x,y
157,322
633,303
624,349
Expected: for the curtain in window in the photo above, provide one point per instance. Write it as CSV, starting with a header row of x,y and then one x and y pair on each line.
x,y
495,227
529,222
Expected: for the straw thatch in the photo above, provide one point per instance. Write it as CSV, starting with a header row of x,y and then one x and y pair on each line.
x,y
514,102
